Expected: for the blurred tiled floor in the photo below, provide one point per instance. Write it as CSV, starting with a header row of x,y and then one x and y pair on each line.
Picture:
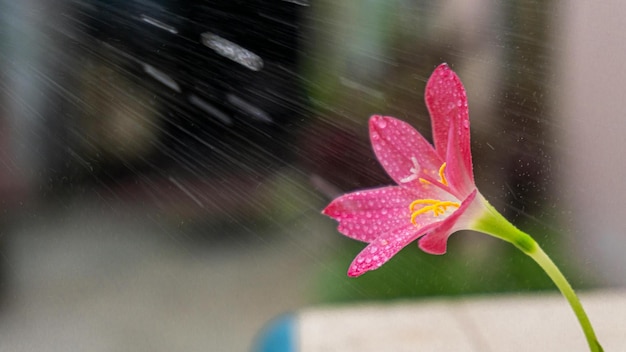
x,y
95,277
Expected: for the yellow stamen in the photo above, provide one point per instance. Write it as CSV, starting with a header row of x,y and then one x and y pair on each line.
x,y
442,176
422,201
438,207
424,182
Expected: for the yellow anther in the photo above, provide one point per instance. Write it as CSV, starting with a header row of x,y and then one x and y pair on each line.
x,y
438,207
422,201
442,176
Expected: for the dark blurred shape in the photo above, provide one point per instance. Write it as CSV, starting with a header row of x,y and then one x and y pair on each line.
x,y
341,157
143,92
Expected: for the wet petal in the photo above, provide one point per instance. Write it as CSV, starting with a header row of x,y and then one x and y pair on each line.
x,y
459,175
436,241
384,247
401,149
364,215
447,102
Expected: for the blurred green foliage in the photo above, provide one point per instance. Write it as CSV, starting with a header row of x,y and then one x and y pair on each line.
x,y
413,273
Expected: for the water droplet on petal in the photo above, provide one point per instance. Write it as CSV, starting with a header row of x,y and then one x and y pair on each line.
x,y
381,123
373,249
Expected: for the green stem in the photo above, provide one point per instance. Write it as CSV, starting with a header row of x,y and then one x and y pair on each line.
x,y
494,224
566,289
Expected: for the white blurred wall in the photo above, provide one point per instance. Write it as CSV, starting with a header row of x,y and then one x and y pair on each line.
x,y
591,133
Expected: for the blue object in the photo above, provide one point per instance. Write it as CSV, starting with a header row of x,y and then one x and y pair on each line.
x,y
278,335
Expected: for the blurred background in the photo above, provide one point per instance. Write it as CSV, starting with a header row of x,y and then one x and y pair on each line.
x,y
163,164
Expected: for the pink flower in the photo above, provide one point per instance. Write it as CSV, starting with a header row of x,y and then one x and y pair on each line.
x,y
435,193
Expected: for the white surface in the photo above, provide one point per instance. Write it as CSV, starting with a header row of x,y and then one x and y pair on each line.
x,y
539,322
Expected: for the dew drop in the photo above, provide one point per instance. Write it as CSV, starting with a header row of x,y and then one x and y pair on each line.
x,y
381,123
373,249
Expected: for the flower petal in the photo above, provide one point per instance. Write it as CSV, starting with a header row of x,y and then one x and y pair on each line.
x,y
447,103
398,146
459,176
384,247
436,241
364,215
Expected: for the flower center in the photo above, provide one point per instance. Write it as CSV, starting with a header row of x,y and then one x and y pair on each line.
x,y
438,207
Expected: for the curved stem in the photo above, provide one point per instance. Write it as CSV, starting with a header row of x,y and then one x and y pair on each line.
x,y
566,289
494,224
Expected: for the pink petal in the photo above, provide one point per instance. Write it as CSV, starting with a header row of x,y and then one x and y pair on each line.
x,y
384,247
436,241
447,102
364,215
396,144
459,176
